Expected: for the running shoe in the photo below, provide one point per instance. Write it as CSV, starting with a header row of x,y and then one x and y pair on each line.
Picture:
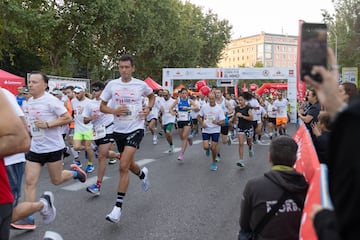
x,y
229,140
81,175
161,132
24,224
240,163
112,161
89,168
49,211
66,152
190,140
94,189
207,152
155,139
77,162
171,149
115,215
181,156
251,153
145,184
213,167
217,158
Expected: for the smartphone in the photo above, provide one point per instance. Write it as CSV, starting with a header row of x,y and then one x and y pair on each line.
x,y
313,49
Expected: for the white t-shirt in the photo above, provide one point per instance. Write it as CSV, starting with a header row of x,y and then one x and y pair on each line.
x,y
194,114
209,114
46,108
102,120
166,115
78,108
270,110
128,94
18,157
281,107
154,113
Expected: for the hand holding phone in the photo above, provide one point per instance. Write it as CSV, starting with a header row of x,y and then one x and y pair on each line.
x,y
313,49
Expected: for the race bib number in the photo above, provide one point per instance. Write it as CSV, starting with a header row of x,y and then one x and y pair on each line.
x,y
34,130
183,116
99,132
131,114
210,118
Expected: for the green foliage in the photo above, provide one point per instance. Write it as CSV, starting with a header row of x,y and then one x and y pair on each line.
x,y
344,29
85,38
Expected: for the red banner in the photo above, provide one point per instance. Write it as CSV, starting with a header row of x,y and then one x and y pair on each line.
x,y
308,164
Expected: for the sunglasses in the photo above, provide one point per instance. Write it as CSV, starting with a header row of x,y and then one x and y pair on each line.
x,y
96,89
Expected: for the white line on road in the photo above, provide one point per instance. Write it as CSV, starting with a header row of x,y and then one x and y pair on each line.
x,y
177,149
89,181
78,186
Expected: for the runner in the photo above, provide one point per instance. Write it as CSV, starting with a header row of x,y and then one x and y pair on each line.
x,y
69,91
83,134
184,106
194,121
126,95
15,168
227,109
244,115
211,117
168,117
271,117
152,119
254,106
46,114
103,134
14,139
281,106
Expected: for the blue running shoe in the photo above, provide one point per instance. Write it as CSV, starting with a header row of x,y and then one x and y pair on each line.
x,y
81,175
251,153
89,168
213,167
207,152
218,158
77,162
94,189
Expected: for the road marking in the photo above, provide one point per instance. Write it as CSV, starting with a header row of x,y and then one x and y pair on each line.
x,y
177,149
79,185
89,181
145,161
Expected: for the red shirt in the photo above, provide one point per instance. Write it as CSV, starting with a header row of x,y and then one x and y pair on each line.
x,y
6,195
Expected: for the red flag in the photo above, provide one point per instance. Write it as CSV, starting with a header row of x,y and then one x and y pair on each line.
x,y
308,164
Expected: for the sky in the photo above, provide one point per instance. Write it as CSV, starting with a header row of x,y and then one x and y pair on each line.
x,y
250,17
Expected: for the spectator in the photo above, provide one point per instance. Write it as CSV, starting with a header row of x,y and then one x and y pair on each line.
x,y
262,193
310,115
347,91
343,160
321,131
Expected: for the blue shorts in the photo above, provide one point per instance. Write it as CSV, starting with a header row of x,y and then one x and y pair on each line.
x,y
15,174
214,137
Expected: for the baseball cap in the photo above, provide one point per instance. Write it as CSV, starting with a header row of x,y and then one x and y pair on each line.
x,y
78,89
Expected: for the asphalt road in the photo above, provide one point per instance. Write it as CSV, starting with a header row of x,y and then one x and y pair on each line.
x,y
186,201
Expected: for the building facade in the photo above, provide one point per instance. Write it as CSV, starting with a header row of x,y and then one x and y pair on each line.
x,y
264,49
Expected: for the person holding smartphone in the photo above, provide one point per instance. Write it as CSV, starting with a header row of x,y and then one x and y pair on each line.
x,y
343,161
